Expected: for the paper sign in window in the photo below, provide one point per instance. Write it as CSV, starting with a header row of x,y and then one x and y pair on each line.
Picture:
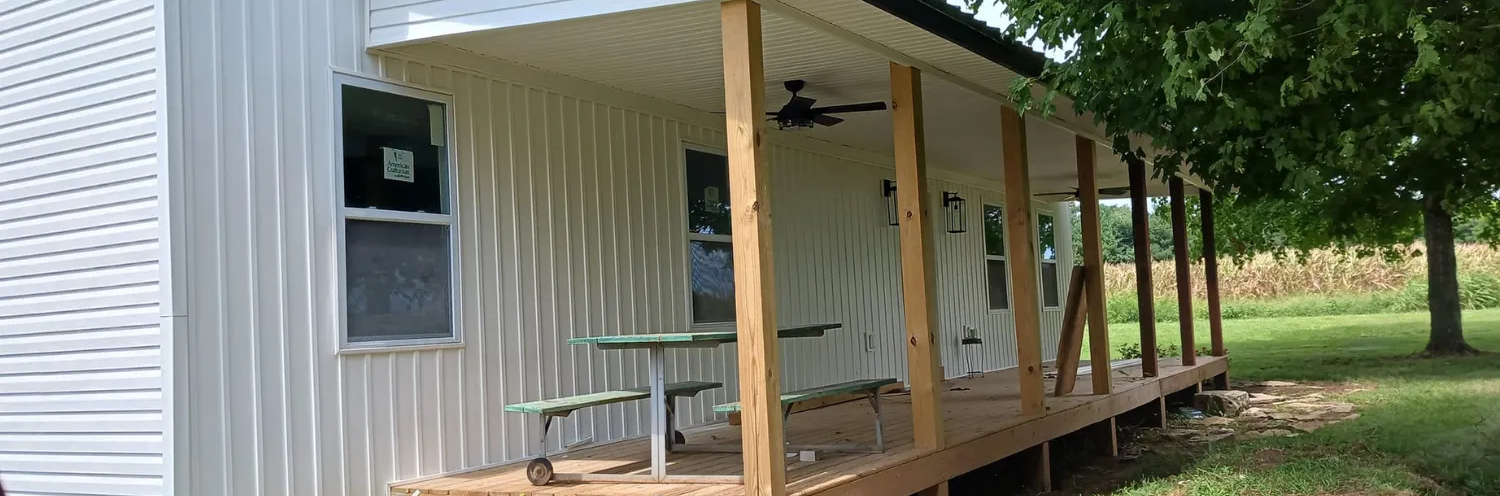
x,y
399,165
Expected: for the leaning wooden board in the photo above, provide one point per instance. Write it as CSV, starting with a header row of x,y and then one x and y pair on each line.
x,y
802,406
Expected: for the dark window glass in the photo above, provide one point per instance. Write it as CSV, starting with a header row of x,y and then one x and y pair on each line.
x,y
994,231
999,294
1047,237
707,193
1049,284
713,281
398,281
395,154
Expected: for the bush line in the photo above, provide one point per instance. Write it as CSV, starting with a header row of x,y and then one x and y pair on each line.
x,y
1477,290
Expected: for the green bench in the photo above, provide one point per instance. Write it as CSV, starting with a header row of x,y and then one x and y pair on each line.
x,y
869,387
562,407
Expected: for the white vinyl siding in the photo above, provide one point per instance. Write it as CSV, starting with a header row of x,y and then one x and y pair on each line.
x,y
81,406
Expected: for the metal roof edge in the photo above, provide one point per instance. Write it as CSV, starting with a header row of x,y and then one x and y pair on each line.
x,y
963,29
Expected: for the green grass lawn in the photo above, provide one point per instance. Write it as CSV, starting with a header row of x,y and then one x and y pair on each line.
x,y
1427,426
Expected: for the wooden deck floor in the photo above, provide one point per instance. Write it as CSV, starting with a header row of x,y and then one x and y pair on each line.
x,y
982,421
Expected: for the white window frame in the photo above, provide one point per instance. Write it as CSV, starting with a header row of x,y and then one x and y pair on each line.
x,y
344,213
1002,258
1041,261
691,236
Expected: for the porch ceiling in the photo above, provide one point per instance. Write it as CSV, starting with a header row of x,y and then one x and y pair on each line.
x,y
674,54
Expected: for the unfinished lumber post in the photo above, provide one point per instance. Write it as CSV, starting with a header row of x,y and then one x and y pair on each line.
x,y
1211,282
1021,239
1184,271
1106,437
1037,463
1141,231
918,277
1070,340
755,297
1093,263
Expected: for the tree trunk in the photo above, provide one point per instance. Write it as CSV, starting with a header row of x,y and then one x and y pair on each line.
x,y
1447,336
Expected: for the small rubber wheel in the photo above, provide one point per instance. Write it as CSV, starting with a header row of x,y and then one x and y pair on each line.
x,y
678,438
539,472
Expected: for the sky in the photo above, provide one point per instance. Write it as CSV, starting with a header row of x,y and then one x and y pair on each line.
x,y
993,14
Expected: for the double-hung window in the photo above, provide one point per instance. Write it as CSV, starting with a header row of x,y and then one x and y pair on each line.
x,y
1046,231
994,258
710,248
396,232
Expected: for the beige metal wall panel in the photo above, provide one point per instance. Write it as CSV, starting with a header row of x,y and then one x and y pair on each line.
x,y
572,221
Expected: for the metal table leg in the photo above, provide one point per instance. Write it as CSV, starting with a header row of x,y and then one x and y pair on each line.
x,y
659,427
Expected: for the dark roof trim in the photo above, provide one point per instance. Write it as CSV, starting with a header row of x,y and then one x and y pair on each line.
x,y
963,29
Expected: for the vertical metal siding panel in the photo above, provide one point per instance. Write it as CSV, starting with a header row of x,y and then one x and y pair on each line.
x,y
486,334
512,328
468,416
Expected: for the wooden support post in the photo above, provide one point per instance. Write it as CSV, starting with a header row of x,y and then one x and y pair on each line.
x,y
1141,231
1093,263
918,278
1037,462
1184,271
755,297
1106,437
1211,273
1159,413
1070,341
1211,281
1021,239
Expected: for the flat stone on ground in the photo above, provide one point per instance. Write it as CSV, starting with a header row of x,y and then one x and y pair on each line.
x,y
1222,403
1262,398
1307,426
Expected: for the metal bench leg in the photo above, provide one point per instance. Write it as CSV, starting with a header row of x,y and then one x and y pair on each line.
x,y
546,421
671,422
879,424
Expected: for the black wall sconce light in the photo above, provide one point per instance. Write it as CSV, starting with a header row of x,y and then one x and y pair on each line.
x,y
892,211
954,213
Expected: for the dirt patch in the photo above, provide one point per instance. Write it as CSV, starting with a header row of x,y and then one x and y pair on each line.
x,y
1269,458
1279,409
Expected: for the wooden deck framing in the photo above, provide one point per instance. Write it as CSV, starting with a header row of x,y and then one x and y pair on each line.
x,y
982,422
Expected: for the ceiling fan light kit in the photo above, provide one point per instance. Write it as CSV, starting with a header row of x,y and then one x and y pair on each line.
x,y
799,112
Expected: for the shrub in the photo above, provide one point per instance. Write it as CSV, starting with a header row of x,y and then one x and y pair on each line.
x,y
1133,350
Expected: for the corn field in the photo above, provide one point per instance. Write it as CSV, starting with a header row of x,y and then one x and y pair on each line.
x,y
1322,272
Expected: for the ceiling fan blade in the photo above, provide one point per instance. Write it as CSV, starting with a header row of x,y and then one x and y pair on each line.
x,y
799,103
826,120
853,107
1120,190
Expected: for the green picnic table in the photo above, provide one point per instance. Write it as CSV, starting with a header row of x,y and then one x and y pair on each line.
x,y
657,345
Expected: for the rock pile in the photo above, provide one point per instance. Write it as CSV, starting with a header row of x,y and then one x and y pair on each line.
x,y
1277,408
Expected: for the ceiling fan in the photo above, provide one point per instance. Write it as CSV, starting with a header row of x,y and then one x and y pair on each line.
x,y
1073,195
799,113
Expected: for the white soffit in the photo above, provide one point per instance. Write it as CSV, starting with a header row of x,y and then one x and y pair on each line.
x,y
674,54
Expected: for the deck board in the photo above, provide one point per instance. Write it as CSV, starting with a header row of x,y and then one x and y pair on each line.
x,y
981,417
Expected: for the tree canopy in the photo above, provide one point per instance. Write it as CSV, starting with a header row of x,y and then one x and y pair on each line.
x,y
1353,124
